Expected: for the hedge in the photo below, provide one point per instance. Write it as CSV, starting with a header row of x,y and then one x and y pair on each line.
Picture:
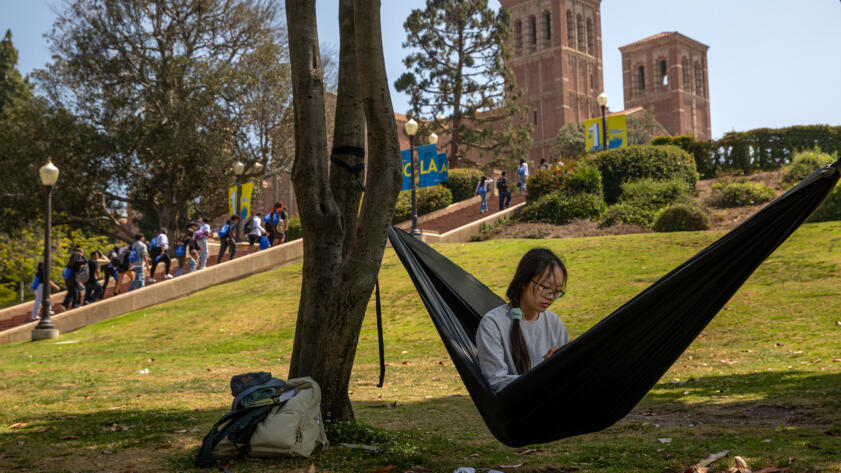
x,y
628,164
681,217
767,148
830,209
294,231
560,208
429,199
462,182
546,181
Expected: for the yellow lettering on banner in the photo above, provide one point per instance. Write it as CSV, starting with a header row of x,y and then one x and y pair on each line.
x,y
406,170
432,166
443,165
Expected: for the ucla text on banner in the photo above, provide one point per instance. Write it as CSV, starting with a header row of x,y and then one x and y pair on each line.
x,y
406,156
617,133
244,203
443,166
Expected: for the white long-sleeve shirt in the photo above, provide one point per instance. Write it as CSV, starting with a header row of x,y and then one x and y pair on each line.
x,y
493,341
163,241
257,227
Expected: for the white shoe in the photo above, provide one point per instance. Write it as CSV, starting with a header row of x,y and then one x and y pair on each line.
x,y
167,276
152,280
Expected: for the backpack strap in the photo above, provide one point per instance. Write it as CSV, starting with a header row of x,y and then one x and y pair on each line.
x,y
273,383
356,169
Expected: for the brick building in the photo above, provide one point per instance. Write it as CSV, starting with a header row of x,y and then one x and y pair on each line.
x,y
557,63
667,73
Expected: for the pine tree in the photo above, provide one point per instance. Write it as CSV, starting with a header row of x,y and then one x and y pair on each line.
x,y
12,85
459,68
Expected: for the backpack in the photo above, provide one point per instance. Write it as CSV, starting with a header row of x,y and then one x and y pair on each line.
x,y
249,225
65,273
180,250
35,282
521,170
154,242
501,184
132,255
264,242
269,418
84,275
223,233
122,261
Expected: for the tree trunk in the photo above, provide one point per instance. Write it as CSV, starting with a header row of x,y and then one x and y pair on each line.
x,y
342,248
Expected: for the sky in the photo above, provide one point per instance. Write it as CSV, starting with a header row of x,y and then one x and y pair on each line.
x,y
772,63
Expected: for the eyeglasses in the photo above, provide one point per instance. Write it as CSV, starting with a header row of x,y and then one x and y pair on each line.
x,y
548,292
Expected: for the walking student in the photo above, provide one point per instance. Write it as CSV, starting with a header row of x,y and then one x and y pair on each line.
x,y
277,222
160,254
139,258
504,193
254,229
110,269
523,175
201,235
38,287
73,298
482,191
124,268
94,290
226,239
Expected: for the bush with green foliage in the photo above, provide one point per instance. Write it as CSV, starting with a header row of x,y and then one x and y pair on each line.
x,y
805,163
559,208
546,181
584,179
767,148
642,199
628,164
681,218
701,150
830,209
430,199
739,193
294,231
462,182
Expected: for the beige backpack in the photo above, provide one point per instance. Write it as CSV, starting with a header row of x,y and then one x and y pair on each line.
x,y
293,427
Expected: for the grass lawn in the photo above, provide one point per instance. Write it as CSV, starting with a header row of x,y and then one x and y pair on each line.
x,y
763,380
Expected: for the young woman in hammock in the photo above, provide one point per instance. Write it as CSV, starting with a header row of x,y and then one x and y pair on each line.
x,y
515,337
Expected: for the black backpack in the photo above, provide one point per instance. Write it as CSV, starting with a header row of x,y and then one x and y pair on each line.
x,y
84,274
249,225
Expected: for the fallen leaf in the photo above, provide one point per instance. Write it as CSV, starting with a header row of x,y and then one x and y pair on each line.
x,y
311,468
164,446
773,469
108,451
741,464
474,455
665,440
46,429
129,469
19,425
20,443
518,465
420,467
70,437
528,451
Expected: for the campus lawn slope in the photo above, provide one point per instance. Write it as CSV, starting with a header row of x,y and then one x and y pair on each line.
x,y
138,392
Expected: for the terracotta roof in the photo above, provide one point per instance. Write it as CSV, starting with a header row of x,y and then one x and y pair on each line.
x,y
665,34
629,111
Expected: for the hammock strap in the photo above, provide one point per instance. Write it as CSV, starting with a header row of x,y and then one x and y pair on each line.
x,y
356,169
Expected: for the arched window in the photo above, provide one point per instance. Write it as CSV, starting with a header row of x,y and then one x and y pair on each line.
x,y
518,37
582,41
547,19
532,30
699,79
686,75
664,74
570,29
641,75
591,38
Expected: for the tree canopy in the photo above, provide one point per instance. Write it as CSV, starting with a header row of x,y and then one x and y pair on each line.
x,y
458,69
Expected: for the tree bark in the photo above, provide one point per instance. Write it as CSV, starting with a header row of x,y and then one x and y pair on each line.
x,y
343,248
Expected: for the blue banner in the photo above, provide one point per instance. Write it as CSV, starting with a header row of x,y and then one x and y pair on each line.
x,y
407,170
442,167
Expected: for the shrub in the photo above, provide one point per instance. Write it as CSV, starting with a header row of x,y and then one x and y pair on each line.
x,y
462,182
294,231
642,199
830,209
681,217
805,163
430,199
635,162
739,193
702,151
560,208
584,179
627,212
655,194
546,181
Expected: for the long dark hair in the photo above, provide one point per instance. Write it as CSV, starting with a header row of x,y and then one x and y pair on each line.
x,y
533,264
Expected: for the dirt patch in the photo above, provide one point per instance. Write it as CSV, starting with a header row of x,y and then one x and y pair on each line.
x,y
739,414
726,219
576,228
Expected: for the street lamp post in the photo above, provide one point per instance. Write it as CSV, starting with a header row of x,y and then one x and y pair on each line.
x,y
412,128
602,99
239,168
46,329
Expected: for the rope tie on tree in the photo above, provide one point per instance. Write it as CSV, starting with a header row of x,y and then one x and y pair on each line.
x,y
356,170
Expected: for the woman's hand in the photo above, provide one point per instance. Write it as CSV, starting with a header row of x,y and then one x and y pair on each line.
x,y
551,352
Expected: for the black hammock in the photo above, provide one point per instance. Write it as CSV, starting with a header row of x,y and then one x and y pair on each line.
x,y
595,380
